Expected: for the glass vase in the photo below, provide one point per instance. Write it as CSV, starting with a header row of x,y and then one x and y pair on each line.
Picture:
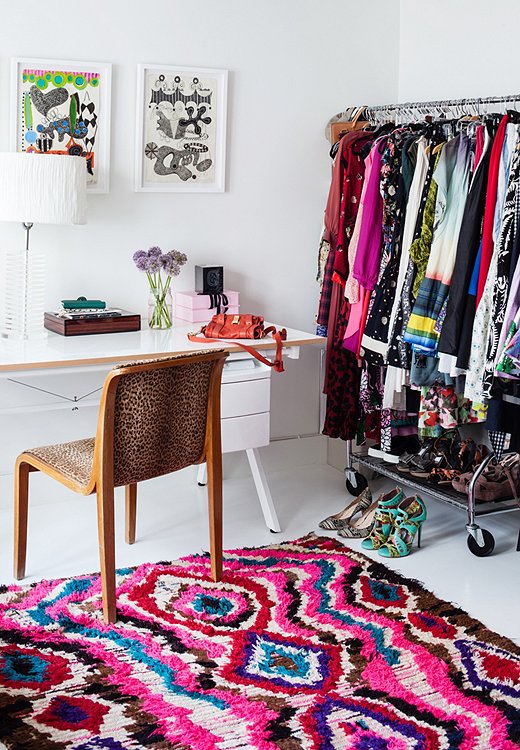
x,y
160,309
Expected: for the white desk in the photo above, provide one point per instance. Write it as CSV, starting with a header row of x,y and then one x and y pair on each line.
x,y
64,374
73,351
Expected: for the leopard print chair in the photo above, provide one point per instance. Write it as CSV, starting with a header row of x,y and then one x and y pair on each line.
x,y
155,417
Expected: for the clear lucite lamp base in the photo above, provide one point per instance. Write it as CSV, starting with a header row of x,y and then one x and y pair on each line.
x,y
24,306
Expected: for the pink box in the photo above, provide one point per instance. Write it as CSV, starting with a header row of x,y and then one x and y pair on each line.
x,y
199,314
195,308
194,301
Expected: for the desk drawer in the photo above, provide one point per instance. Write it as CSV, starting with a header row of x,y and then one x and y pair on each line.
x,y
239,433
248,397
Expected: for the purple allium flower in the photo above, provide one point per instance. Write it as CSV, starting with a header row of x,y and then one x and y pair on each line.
x,y
154,252
181,258
169,265
154,264
141,260
172,262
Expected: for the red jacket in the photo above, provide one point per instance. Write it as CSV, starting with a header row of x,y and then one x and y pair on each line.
x,y
343,201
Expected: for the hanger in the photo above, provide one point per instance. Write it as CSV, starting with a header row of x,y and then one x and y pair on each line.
x,y
468,123
449,118
433,129
334,150
387,127
494,118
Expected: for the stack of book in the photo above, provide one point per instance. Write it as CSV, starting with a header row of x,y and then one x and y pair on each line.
x,y
83,308
89,313
82,316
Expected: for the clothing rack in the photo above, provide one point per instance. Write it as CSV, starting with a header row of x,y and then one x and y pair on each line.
x,y
440,108
480,541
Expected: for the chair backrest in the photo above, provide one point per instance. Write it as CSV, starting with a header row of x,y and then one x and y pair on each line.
x,y
156,416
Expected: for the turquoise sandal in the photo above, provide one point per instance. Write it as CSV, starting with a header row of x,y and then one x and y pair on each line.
x,y
383,521
408,520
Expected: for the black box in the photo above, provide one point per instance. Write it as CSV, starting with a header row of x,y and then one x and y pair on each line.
x,y
209,279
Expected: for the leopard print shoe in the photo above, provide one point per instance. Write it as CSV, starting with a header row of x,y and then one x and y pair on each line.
x,y
343,518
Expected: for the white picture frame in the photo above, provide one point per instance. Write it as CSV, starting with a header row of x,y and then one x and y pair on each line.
x,y
41,119
180,129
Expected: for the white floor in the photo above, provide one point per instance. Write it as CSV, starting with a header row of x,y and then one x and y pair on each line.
x,y
172,522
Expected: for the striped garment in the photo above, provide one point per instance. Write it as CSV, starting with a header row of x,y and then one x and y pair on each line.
x,y
421,330
452,178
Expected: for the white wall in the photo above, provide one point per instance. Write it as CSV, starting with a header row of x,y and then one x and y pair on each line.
x,y
292,64
466,48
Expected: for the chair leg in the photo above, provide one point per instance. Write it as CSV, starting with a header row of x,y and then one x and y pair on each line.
x,y
130,512
214,464
105,508
21,502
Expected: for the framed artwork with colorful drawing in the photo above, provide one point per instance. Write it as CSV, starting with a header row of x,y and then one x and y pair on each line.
x,y
61,107
181,129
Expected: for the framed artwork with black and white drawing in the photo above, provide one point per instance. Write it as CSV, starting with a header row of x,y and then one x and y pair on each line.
x,y
63,107
181,129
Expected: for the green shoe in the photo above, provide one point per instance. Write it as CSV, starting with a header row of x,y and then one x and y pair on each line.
x,y
383,521
408,520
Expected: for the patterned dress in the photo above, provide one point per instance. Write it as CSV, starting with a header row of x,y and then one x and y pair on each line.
x,y
504,218
375,336
510,226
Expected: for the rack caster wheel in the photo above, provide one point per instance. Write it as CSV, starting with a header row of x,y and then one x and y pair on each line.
x,y
274,532
487,547
201,484
355,482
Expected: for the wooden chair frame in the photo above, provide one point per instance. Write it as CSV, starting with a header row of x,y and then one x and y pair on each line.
x,y
102,478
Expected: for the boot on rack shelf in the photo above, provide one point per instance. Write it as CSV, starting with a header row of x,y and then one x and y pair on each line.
x,y
406,459
402,445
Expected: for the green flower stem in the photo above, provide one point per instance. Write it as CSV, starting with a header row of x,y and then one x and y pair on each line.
x,y
161,316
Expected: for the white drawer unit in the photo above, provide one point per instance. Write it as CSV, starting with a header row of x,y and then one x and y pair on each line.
x,y
245,404
246,395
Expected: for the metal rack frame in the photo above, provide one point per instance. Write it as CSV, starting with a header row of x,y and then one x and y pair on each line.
x,y
438,108
480,541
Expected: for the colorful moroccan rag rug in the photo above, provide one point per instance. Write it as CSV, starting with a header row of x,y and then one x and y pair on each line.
x,y
306,645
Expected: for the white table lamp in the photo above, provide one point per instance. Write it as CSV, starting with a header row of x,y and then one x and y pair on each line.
x,y
36,188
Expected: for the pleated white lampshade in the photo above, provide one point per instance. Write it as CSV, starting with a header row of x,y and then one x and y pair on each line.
x,y
35,189
43,188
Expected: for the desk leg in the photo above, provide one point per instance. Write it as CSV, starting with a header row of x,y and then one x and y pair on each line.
x,y
262,488
202,475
